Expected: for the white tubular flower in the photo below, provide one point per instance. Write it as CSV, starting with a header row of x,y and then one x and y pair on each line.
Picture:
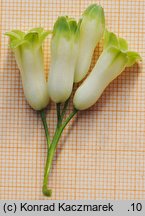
x,y
64,53
113,60
91,30
27,48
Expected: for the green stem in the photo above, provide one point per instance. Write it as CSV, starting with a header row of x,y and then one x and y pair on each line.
x,y
51,152
43,118
65,107
59,119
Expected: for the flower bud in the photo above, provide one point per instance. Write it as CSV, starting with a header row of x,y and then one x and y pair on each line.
x,y
29,57
64,48
91,30
113,60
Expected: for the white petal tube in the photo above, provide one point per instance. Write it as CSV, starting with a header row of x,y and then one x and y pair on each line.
x,y
61,73
64,47
110,64
91,30
27,48
30,63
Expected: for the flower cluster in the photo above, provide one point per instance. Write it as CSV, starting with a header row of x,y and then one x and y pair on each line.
x,y
72,47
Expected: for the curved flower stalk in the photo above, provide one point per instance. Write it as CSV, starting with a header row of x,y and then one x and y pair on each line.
x,y
92,27
27,48
64,47
113,60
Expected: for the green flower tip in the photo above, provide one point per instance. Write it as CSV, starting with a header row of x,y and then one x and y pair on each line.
x,y
111,40
65,26
61,25
72,25
33,36
95,11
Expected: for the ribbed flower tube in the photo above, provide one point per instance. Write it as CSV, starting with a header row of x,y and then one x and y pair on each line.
x,y
64,47
113,60
27,48
92,26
